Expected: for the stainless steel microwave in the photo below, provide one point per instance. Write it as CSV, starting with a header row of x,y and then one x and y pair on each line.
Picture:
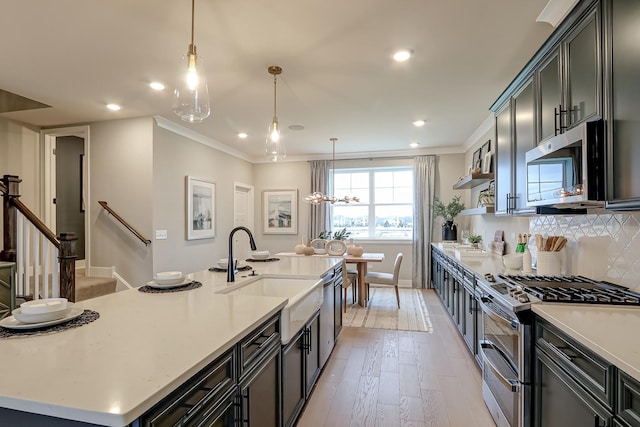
x,y
568,169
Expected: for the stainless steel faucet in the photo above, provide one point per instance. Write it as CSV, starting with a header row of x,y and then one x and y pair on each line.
x,y
231,269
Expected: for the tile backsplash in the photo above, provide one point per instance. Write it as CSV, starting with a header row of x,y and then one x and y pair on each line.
x,y
602,247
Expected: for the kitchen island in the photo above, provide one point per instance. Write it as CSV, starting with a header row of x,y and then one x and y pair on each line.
x,y
142,347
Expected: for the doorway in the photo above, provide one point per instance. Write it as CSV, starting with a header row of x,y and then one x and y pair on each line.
x,y
66,197
242,216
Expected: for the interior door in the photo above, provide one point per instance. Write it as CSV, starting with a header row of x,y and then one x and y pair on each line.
x,y
66,184
242,216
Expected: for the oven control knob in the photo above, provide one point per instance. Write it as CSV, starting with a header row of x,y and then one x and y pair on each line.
x,y
523,298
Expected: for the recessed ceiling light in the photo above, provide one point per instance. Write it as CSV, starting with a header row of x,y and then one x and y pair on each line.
x,y
242,135
414,144
113,107
402,55
419,123
156,86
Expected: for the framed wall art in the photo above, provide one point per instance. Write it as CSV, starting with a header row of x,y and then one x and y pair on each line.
x,y
201,196
280,211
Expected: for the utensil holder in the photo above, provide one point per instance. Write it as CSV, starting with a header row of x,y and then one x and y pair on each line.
x,y
549,263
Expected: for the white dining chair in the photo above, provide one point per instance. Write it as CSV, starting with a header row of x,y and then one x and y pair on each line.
x,y
349,279
386,279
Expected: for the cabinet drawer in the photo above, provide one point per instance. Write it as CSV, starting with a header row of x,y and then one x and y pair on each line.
x,y
257,342
198,394
589,370
628,406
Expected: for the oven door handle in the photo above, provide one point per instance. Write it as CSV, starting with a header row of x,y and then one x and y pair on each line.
x,y
510,384
515,325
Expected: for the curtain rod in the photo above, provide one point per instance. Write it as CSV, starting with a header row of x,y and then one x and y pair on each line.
x,y
375,158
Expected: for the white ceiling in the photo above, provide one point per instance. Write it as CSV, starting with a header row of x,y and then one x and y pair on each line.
x,y
338,77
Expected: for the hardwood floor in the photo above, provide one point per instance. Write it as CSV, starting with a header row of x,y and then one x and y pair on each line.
x,y
390,378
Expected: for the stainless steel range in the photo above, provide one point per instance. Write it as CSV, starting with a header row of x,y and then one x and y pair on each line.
x,y
507,345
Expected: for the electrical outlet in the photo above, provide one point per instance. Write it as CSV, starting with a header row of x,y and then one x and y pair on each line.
x,y
161,234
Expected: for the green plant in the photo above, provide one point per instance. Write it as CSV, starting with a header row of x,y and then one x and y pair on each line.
x,y
474,238
450,211
338,235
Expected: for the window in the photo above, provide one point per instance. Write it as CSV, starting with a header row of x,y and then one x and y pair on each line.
x,y
385,210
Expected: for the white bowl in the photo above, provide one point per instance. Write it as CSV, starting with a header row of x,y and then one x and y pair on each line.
x,y
512,261
23,317
168,277
260,254
43,305
224,262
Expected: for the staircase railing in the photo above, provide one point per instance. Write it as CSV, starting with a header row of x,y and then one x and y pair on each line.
x,y
45,264
128,226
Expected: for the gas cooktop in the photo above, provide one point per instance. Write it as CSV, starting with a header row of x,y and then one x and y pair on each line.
x,y
569,289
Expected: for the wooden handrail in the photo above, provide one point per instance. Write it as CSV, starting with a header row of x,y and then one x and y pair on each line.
x,y
143,239
37,223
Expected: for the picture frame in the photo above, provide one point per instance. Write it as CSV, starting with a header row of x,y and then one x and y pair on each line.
x,y
280,211
485,155
487,162
200,204
477,160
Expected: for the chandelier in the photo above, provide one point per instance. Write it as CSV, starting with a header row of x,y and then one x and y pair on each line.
x,y
317,197
274,148
191,95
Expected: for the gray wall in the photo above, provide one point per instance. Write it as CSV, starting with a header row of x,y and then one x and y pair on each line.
x,y
121,158
175,157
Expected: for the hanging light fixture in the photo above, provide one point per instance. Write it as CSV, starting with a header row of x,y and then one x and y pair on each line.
x,y
317,197
191,96
274,148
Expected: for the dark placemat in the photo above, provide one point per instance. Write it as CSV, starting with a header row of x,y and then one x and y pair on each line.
x,y
149,290
263,260
85,318
224,270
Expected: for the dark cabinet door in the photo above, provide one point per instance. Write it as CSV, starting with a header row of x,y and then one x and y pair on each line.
x,y
337,305
583,61
293,390
260,393
470,322
525,140
624,128
549,93
561,402
504,158
312,367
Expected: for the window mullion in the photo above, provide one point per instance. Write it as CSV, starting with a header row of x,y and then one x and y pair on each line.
x,y
372,205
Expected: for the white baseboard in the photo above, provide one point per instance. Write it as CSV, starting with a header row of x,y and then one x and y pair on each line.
x,y
122,285
405,283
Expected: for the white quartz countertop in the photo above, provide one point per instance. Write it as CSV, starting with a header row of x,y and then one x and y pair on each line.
x,y
606,330
142,347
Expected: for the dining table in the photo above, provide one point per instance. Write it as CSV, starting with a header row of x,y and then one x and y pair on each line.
x,y
361,266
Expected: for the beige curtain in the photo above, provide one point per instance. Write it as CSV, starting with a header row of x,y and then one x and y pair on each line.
x,y
424,193
319,182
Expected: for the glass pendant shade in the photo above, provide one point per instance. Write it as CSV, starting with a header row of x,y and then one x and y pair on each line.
x,y
274,148
191,95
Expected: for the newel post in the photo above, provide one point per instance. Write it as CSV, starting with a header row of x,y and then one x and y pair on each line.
x,y
9,218
67,256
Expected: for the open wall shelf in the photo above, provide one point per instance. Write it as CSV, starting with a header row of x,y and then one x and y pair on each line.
x,y
473,180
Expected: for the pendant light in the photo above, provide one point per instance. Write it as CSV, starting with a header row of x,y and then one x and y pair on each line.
x,y
274,148
191,95
317,197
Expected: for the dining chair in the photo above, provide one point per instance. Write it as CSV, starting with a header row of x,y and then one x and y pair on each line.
x,y
349,278
386,279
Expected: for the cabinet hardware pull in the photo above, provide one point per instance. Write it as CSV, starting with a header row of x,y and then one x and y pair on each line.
x,y
247,419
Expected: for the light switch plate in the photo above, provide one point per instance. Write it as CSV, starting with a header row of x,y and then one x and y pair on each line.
x,y
161,234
